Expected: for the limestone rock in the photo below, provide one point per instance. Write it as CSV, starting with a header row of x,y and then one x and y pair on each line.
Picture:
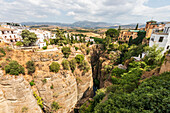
x,y
16,96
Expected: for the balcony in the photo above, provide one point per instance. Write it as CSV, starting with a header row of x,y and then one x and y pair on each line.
x,y
158,32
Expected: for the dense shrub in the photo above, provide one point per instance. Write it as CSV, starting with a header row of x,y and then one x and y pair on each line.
x,y
2,52
79,58
44,48
76,48
14,68
66,51
108,68
153,55
65,64
19,43
55,106
32,83
44,81
152,96
72,64
87,51
54,67
30,67
118,72
39,100
84,66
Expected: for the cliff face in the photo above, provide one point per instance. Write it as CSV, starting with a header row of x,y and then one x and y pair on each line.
x,y
64,87
16,96
166,64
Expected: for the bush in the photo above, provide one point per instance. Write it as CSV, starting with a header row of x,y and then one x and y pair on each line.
x,y
84,66
44,81
72,64
87,51
2,52
44,48
65,64
55,106
30,67
108,68
14,68
24,109
66,51
52,87
76,48
118,72
39,100
54,67
32,83
79,58
19,43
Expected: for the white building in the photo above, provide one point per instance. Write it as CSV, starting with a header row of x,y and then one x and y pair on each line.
x,y
8,35
162,39
41,35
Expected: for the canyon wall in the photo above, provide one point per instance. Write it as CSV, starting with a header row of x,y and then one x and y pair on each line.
x,y
16,95
64,87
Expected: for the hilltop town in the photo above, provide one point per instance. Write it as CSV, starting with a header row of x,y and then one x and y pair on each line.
x,y
52,69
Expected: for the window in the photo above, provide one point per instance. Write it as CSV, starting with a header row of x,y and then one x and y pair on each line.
x,y
161,39
167,47
152,39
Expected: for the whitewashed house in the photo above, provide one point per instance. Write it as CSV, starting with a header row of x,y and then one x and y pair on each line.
x,y
162,39
41,35
8,35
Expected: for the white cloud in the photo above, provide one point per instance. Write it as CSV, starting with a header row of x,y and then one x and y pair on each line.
x,y
124,11
71,13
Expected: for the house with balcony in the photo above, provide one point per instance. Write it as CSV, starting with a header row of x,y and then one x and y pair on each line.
x,y
8,35
161,38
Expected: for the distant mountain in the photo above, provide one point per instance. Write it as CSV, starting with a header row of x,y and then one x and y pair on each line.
x,y
83,24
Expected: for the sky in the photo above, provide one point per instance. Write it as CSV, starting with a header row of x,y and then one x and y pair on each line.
x,y
69,11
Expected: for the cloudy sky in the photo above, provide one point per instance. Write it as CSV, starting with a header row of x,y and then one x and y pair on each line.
x,y
68,11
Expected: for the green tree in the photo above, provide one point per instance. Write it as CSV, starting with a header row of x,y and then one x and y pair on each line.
x,y
14,68
72,64
113,33
118,72
107,41
66,51
65,64
136,28
79,58
139,39
19,43
2,52
55,106
28,37
153,55
30,67
54,67
60,38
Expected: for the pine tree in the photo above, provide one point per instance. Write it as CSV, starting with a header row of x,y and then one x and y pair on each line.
x,y
137,26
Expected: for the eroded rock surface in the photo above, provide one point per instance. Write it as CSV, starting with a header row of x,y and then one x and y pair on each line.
x,y
16,96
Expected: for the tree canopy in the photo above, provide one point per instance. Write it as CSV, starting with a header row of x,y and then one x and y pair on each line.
x,y
113,33
29,38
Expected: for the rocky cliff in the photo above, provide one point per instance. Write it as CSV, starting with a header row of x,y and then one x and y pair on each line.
x,y
65,88
16,95
166,64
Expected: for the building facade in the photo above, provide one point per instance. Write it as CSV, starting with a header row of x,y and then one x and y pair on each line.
x,y
126,34
161,38
8,35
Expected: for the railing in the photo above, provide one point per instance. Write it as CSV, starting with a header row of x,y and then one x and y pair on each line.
x,y
159,32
